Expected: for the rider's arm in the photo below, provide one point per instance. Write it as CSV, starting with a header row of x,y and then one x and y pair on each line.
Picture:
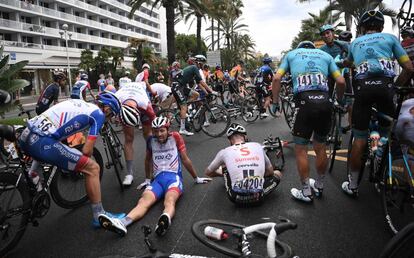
x,y
339,79
268,166
96,120
277,78
205,87
211,170
148,165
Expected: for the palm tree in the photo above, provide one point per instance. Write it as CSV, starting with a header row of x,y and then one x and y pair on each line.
x,y
229,27
245,46
87,61
136,45
117,57
199,13
170,7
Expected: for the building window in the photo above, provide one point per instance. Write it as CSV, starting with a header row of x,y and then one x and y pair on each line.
x,y
46,23
92,47
27,39
62,9
79,30
5,36
79,45
63,43
91,32
44,4
26,19
47,42
4,15
77,14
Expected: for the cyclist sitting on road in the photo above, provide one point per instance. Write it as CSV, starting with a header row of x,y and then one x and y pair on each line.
x,y
125,79
42,140
249,175
309,68
134,96
372,54
80,87
143,77
165,96
51,93
263,80
165,152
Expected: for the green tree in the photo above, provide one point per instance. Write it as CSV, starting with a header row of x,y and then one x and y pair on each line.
x,y
8,82
102,61
186,45
170,7
197,14
87,61
136,45
117,57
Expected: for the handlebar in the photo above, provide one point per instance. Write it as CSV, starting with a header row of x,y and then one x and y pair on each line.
x,y
285,224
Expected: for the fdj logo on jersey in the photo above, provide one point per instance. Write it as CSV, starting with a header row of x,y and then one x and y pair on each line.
x,y
162,157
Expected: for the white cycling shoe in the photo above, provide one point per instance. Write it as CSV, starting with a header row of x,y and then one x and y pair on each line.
x,y
128,180
185,132
112,224
298,195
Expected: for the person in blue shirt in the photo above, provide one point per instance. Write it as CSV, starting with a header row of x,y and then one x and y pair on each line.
x,y
309,68
262,82
372,54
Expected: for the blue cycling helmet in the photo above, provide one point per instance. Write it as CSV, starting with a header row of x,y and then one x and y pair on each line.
x,y
107,98
267,60
84,77
306,44
371,18
325,28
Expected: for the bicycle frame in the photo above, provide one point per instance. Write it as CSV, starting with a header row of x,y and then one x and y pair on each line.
x,y
111,142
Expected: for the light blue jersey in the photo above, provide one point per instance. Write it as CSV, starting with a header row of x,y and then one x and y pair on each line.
x,y
373,55
309,68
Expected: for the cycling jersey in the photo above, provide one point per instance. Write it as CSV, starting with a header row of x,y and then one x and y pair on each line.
x,y
309,69
218,75
162,90
408,46
110,81
78,88
123,81
246,164
405,124
142,76
49,94
68,117
189,74
372,55
102,84
338,48
235,71
166,156
265,74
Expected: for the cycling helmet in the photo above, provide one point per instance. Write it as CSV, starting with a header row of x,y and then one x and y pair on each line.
x,y
108,98
129,116
84,77
325,28
218,67
5,97
160,122
200,58
267,60
306,44
127,72
59,76
175,64
371,18
407,31
235,128
345,36
145,66
191,60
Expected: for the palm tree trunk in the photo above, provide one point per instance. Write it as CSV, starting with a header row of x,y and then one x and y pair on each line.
x,y
199,34
218,35
212,34
169,11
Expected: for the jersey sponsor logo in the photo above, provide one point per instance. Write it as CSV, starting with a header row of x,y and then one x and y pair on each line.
x,y
245,151
162,157
316,97
76,125
69,129
33,139
379,82
254,158
64,152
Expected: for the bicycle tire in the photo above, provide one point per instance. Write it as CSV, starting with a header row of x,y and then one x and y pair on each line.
x,y
215,245
395,199
404,19
116,155
250,109
8,181
288,111
63,200
333,140
213,117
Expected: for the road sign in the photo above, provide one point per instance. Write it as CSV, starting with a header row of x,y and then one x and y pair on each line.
x,y
213,58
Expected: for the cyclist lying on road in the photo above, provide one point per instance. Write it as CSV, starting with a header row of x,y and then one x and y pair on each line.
x,y
165,151
249,176
42,141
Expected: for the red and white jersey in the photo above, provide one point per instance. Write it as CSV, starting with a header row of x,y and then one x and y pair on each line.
x,y
244,162
162,90
142,76
166,156
123,81
134,91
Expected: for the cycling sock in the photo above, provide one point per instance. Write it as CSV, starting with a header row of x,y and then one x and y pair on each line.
x,y
129,167
306,189
97,209
126,221
353,180
182,124
319,181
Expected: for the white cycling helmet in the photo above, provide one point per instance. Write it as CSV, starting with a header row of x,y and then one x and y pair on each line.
x,y
129,116
235,128
145,66
160,122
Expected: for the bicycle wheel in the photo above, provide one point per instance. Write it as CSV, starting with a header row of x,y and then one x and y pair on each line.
x,y
227,247
215,120
68,187
397,202
173,116
332,142
14,210
288,108
250,109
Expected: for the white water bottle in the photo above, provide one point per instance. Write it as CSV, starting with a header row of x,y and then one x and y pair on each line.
x,y
215,233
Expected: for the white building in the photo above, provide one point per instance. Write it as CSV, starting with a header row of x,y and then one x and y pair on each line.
x,y
30,30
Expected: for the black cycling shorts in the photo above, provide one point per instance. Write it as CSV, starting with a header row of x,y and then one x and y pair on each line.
x,y
312,116
180,92
262,90
234,87
246,199
378,91
219,87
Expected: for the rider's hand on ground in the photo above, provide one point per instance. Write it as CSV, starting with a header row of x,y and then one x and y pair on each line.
x,y
144,184
202,180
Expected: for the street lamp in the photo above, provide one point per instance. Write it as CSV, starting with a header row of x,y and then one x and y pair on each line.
x,y
67,34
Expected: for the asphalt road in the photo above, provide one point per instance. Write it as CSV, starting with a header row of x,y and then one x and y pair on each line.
x,y
332,226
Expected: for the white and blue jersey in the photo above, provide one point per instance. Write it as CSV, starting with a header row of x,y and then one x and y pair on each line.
x,y
78,88
265,74
373,55
309,68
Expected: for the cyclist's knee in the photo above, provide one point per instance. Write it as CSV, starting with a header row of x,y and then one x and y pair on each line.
x,y
92,168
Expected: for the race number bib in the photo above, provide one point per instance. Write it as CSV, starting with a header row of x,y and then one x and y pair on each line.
x,y
386,65
311,80
362,68
42,124
249,184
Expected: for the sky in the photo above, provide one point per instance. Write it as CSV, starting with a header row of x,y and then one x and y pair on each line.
x,y
274,23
